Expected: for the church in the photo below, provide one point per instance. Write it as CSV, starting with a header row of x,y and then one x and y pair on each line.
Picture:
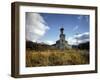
x,y
62,44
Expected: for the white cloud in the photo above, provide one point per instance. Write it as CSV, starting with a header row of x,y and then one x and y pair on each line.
x,y
79,38
81,35
72,41
75,28
35,26
49,42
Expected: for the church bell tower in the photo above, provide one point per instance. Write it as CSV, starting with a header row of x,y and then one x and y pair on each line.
x,y
62,35
62,39
61,43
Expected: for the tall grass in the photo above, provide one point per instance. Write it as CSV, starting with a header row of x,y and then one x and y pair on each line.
x,y
56,57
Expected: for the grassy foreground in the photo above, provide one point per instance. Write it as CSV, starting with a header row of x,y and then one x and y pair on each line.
x,y
56,57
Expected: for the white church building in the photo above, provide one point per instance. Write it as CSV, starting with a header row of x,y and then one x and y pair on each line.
x,y
62,44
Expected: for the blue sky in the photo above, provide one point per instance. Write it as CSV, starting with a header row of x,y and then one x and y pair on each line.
x,y
72,24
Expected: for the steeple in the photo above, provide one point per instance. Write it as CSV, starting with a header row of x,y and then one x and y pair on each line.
x,y
61,30
62,35
62,44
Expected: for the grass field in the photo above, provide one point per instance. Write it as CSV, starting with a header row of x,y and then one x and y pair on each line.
x,y
56,57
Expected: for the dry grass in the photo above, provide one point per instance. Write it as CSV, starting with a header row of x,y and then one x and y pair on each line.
x,y
56,57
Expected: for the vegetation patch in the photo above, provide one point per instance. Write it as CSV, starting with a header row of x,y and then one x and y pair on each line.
x,y
56,57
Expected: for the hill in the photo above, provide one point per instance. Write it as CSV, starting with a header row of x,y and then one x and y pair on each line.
x,y
38,46
82,46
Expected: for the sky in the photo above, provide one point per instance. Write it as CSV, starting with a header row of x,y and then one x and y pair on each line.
x,y
45,27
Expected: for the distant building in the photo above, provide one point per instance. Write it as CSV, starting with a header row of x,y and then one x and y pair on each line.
x,y
62,43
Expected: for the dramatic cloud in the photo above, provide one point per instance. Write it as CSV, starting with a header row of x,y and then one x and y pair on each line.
x,y
35,26
81,38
